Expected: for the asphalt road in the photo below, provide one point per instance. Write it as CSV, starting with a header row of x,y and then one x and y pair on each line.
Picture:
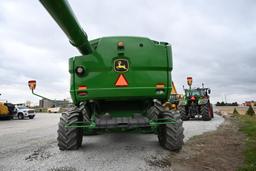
x,y
32,145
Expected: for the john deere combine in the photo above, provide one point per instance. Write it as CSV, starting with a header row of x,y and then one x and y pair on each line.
x,y
117,84
196,103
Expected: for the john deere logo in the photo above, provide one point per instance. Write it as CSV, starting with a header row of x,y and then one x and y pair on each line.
x,y
121,65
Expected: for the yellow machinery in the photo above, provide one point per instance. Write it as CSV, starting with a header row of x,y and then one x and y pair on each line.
x,y
174,91
5,112
173,100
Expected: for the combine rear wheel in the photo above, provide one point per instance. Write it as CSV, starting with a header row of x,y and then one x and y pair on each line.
x,y
70,138
154,111
205,112
170,136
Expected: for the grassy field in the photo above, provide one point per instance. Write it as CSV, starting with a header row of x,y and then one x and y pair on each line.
x,y
248,126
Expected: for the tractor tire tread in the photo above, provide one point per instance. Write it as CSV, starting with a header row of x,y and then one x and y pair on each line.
x,y
171,136
205,112
154,111
69,138
183,113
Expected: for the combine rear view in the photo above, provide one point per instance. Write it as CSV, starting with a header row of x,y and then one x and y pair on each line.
x,y
117,84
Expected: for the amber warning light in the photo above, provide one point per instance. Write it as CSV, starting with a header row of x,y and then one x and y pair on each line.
x,y
189,81
32,84
160,86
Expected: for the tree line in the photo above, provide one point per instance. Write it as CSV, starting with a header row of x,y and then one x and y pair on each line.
x,y
226,104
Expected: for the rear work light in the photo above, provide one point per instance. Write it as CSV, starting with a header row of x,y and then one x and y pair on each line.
x,y
120,45
80,70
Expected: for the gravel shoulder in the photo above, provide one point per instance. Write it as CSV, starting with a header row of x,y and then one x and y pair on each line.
x,y
218,150
32,145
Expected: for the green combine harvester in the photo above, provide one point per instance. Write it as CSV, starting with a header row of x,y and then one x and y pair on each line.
x,y
196,103
117,84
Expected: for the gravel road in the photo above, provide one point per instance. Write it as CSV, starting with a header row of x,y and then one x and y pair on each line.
x,y
31,145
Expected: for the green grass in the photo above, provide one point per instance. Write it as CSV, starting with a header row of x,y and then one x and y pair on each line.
x,y
248,126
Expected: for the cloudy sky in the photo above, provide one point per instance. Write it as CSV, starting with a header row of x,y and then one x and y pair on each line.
x,y
212,40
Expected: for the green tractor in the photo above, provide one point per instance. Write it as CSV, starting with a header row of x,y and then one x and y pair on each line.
x,y
196,103
117,84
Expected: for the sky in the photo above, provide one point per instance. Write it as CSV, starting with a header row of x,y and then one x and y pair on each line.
x,y
212,40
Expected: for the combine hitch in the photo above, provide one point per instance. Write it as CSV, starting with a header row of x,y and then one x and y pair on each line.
x,y
120,123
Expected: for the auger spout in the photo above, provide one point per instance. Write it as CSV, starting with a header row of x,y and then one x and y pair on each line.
x,y
62,13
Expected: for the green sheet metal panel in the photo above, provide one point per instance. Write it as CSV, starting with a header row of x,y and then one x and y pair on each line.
x,y
149,64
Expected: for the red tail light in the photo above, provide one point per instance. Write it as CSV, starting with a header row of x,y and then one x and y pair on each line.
x,y
82,93
193,98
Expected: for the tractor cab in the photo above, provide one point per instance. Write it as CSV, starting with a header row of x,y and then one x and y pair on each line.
x,y
197,92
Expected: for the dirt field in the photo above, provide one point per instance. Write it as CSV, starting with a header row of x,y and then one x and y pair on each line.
x,y
230,109
221,150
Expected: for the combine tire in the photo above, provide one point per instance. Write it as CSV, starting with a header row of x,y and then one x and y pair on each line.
x,y
183,113
170,136
154,111
70,138
205,112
